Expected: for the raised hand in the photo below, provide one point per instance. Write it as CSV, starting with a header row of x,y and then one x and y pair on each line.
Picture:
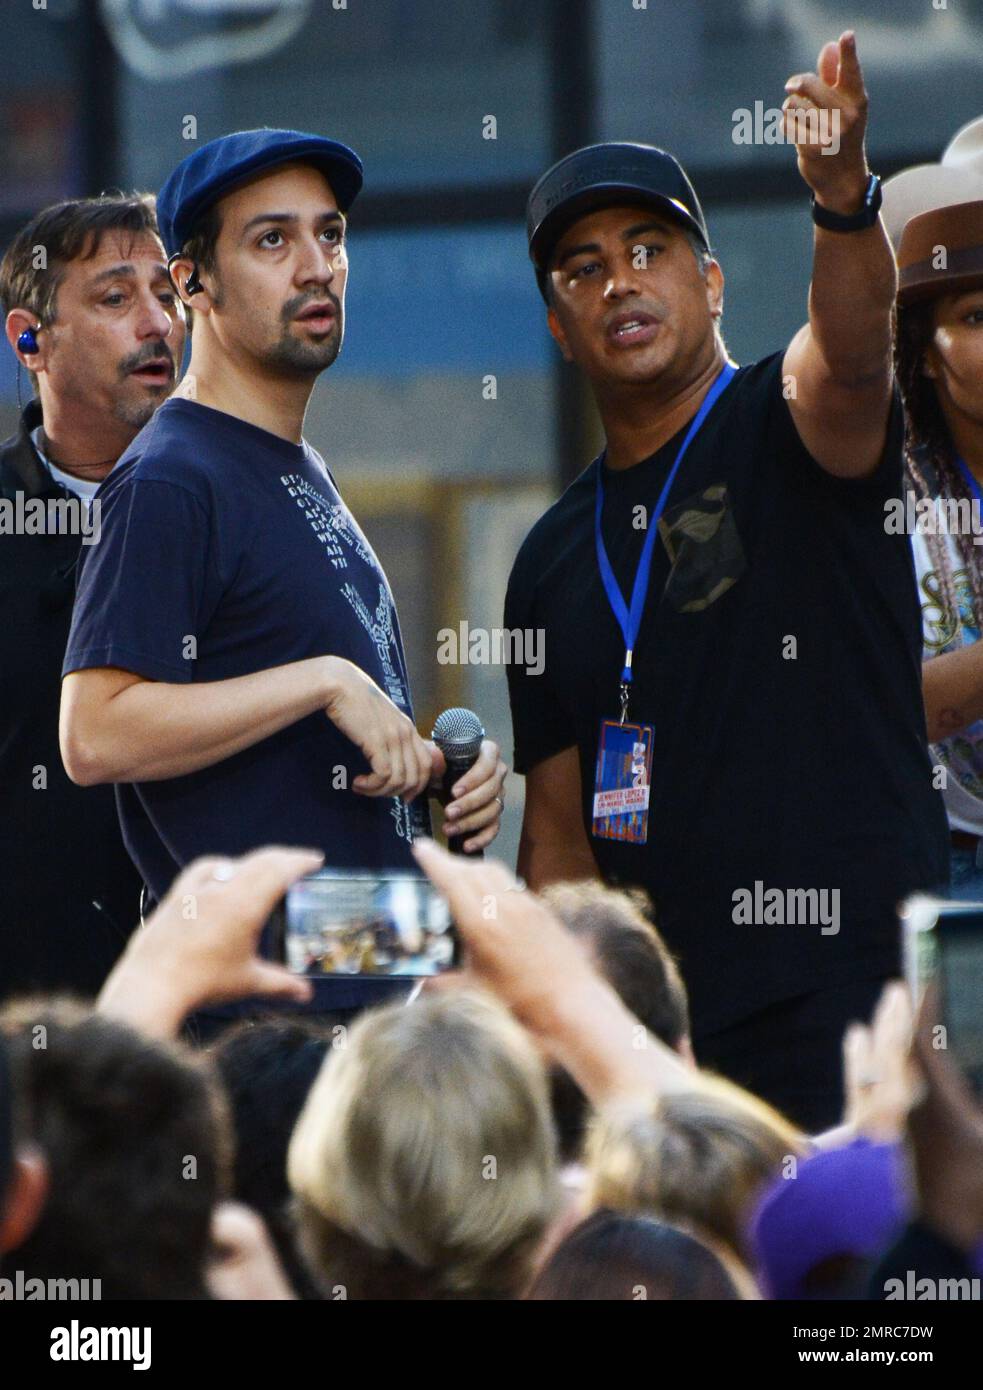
x,y
878,1074
826,120
200,945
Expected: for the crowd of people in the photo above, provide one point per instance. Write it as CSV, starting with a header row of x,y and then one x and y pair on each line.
x,y
628,1087
514,1131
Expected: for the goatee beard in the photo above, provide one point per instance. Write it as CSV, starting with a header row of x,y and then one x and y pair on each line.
x,y
305,359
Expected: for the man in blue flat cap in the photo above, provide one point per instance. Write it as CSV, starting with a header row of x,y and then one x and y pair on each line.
x,y
235,663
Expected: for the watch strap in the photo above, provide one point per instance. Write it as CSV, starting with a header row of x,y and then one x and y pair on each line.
x,y
854,222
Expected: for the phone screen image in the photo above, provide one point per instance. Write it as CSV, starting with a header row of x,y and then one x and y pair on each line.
x,y
960,974
943,941
357,924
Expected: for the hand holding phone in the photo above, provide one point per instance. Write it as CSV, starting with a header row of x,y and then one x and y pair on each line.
x,y
346,924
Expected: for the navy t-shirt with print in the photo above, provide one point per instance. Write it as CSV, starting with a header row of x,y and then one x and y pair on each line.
x,y
779,661
225,550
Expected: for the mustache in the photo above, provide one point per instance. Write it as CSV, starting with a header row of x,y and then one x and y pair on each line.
x,y
295,306
148,353
658,314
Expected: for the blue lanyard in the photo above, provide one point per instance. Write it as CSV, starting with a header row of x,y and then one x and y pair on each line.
x,y
629,620
974,486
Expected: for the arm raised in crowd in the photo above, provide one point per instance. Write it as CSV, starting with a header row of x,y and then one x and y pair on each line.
x,y
520,951
945,1141
840,362
945,1132
200,946
879,1078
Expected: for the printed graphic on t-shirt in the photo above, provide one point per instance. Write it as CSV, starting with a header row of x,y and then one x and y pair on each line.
x,y
701,538
332,523
379,626
335,529
943,630
941,627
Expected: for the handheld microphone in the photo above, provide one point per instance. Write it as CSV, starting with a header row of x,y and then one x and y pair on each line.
x,y
458,734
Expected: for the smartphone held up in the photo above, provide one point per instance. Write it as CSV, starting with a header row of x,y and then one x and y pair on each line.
x,y
943,941
337,923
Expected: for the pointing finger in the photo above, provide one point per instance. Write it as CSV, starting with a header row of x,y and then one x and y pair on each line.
x,y
850,79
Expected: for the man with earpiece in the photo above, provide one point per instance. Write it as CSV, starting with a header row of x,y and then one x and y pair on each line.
x,y
239,672
93,319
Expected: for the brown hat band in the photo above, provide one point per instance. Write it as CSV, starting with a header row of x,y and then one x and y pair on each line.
x,y
956,231
924,279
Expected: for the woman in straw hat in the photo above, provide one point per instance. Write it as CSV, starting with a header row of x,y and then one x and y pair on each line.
x,y
956,178
940,372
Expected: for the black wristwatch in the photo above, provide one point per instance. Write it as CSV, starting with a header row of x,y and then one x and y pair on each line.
x,y
857,221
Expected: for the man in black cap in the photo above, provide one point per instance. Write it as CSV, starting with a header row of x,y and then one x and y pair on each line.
x,y
97,324
742,734
235,662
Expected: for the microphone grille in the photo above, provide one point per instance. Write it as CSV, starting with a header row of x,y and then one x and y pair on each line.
x,y
458,732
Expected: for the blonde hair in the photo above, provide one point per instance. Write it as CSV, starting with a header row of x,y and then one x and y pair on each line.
x,y
423,1160
697,1157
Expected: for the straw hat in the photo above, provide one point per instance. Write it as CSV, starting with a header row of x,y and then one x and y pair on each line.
x,y
957,178
941,252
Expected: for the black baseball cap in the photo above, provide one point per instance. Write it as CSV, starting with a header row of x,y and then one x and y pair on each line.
x,y
598,176
209,173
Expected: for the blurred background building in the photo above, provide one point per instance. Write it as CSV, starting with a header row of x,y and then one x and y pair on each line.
x,y
449,421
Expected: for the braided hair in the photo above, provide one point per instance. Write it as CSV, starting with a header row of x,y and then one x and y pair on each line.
x,y
931,470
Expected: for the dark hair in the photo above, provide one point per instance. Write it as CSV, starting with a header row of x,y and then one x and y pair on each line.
x,y
632,955
610,1256
119,1119
930,459
340,1260
926,426
636,962
200,248
67,231
268,1069
200,245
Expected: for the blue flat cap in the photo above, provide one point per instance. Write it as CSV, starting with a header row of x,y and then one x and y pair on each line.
x,y
209,173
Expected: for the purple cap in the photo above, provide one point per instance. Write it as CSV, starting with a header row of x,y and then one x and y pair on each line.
x,y
848,1201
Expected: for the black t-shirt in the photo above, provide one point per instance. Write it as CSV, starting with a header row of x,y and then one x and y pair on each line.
x,y
779,661
225,550
69,894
